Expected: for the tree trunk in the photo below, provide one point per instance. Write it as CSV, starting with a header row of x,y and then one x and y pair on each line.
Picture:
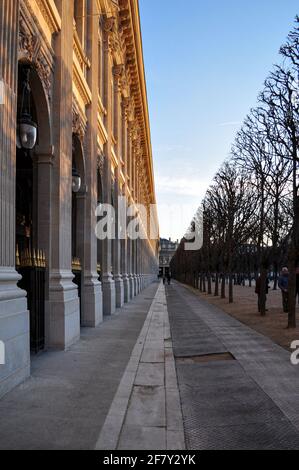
x,y
209,284
275,275
292,287
216,290
263,292
223,286
231,291
200,283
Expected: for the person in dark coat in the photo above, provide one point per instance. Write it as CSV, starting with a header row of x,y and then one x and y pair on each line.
x,y
258,291
297,284
283,284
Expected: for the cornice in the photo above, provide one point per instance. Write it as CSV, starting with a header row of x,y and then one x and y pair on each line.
x,y
50,14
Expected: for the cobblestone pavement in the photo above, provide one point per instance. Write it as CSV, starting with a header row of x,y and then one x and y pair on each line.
x,y
238,389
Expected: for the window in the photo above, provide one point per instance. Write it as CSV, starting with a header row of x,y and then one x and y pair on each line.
x,y
80,16
101,63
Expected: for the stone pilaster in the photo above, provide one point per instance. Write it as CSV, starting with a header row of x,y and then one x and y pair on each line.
x,y
108,285
130,181
119,285
92,308
118,279
14,318
124,241
64,309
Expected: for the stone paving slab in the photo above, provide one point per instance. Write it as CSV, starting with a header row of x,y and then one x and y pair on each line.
x,y
65,402
151,419
248,402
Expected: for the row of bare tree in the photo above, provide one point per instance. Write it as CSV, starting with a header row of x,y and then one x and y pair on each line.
x,y
251,209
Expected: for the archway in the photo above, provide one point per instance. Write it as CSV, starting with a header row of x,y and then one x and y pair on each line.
x,y
32,215
78,214
100,200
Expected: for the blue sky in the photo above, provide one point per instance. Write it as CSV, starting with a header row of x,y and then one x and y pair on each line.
x,y
205,61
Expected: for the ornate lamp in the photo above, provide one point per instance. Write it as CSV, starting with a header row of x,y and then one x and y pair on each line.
x,y
27,128
76,183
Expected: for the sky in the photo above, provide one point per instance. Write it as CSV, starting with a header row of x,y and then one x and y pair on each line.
x,y
205,62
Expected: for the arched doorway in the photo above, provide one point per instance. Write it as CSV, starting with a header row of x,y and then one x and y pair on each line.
x,y
31,247
100,201
78,215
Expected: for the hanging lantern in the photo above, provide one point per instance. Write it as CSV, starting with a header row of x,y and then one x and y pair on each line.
x,y
76,183
27,128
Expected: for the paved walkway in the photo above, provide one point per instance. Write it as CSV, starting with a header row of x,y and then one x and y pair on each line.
x,y
238,389
168,372
65,402
146,411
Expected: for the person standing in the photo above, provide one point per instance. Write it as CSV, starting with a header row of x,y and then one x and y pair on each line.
x,y
283,284
297,283
258,292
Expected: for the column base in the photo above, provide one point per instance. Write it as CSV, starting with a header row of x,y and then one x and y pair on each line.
x,y
132,286
126,281
92,301
63,311
136,285
109,297
14,332
119,291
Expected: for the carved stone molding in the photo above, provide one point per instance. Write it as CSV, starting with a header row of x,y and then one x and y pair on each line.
x,y
101,162
30,49
50,15
79,126
109,24
118,70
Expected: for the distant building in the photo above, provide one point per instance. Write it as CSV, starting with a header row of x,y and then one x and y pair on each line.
x,y
167,251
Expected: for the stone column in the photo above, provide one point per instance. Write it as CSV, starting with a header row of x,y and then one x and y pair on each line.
x,y
118,280
92,308
14,318
44,165
130,241
129,267
124,241
134,242
108,285
64,308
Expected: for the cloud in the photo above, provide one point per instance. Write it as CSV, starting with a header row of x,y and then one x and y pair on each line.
x,y
182,186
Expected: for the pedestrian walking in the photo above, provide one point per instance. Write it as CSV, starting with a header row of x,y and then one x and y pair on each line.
x,y
283,284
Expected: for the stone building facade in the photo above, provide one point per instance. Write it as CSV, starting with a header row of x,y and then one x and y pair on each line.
x,y
88,99
167,251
